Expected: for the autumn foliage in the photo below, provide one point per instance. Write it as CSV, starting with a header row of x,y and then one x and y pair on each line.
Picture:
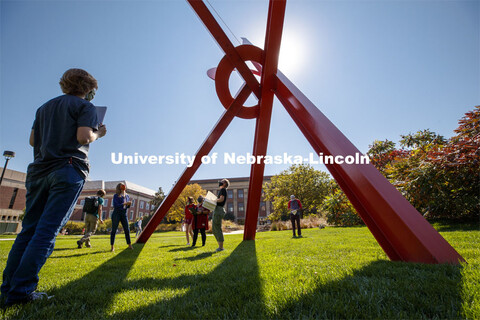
x,y
440,177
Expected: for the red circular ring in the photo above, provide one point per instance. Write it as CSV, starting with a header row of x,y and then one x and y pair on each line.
x,y
222,75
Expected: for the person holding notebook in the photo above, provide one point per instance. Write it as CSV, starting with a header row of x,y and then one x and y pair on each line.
x,y
60,136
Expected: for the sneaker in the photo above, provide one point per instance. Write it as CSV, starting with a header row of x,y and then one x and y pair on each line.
x,y
88,245
294,236
188,243
219,249
39,296
79,243
34,296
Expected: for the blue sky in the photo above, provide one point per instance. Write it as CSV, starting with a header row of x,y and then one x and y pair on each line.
x,y
377,69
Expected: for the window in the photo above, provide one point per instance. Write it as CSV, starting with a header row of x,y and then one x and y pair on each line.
x,y
147,206
141,204
131,214
105,202
133,202
8,218
241,207
12,200
140,214
240,193
82,202
230,207
230,194
14,218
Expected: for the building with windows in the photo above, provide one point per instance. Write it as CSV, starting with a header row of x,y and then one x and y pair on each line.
x,y
237,195
140,196
13,192
12,200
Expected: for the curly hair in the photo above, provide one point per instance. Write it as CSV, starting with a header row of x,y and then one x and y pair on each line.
x,y
77,82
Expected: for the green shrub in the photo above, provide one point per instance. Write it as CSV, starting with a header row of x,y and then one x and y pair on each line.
x,y
340,211
74,227
162,227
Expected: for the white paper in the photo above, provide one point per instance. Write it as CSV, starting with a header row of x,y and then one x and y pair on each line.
x,y
210,201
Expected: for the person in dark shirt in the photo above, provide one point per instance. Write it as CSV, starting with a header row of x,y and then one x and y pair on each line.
x,y
121,203
295,208
61,133
200,222
219,213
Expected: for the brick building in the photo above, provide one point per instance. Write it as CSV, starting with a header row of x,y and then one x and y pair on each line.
x,y
237,195
139,195
13,191
12,200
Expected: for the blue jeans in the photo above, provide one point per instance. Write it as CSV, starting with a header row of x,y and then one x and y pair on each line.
x,y
50,201
117,217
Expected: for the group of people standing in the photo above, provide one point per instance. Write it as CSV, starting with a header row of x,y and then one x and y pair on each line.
x,y
63,129
93,215
196,217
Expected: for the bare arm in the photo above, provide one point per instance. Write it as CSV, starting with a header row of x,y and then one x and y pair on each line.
x,y
85,135
221,198
32,138
100,209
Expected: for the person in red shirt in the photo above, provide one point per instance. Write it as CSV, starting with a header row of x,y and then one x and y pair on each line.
x,y
295,206
189,218
200,222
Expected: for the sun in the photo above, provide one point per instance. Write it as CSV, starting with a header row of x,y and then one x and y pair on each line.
x,y
293,53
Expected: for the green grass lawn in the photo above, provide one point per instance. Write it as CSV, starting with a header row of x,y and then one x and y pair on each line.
x,y
330,273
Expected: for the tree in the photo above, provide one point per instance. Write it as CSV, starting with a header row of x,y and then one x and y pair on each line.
x,y
310,186
177,211
439,177
340,211
157,200
383,153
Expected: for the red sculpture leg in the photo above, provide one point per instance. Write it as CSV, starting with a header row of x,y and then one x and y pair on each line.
x,y
399,228
276,13
204,150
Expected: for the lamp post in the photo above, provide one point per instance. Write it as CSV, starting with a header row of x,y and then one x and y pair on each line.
x,y
8,155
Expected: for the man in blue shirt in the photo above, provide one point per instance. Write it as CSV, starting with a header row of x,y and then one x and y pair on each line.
x,y
61,133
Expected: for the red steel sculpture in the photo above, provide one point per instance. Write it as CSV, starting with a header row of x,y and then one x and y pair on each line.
x,y
398,227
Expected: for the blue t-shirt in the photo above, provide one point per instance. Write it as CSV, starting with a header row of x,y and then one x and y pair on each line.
x,y
118,202
55,135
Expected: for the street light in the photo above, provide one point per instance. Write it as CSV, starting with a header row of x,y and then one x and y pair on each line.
x,y
8,155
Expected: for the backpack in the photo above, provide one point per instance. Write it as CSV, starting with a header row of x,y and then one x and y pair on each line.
x,y
90,205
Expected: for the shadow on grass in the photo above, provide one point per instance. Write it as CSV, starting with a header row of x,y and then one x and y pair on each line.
x,y
65,249
385,290
442,227
231,290
197,257
183,248
77,254
96,290
171,245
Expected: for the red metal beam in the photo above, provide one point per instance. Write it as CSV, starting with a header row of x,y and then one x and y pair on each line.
x,y
398,227
224,42
188,173
273,37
